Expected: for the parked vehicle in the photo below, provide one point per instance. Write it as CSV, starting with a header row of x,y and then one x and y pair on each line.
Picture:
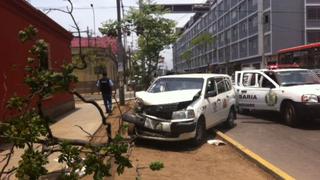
x,y
182,107
295,93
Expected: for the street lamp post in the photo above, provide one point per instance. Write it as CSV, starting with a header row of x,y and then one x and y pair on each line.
x,y
94,20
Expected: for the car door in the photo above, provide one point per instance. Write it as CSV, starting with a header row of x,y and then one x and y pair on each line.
x,y
223,98
255,88
211,111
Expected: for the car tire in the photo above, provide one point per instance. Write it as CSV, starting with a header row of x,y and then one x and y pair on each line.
x,y
229,123
200,133
290,114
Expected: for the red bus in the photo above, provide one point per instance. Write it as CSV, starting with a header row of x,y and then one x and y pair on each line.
x,y
305,56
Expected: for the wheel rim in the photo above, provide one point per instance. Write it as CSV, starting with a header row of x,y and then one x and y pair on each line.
x,y
289,113
199,132
231,118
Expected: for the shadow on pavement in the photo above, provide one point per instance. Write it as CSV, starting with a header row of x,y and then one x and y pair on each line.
x,y
60,117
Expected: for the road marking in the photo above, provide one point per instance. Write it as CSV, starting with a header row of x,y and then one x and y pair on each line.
x,y
253,156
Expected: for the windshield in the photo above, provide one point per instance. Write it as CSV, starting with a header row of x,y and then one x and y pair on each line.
x,y
175,84
291,78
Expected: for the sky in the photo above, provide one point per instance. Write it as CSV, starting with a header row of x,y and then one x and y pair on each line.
x,y
104,10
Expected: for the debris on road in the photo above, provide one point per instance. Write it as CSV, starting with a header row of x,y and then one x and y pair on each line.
x,y
216,142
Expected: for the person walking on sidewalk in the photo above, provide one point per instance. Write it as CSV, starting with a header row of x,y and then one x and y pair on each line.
x,y
105,85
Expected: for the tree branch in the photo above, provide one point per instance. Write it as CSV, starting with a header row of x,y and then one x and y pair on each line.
x,y
90,135
8,160
103,117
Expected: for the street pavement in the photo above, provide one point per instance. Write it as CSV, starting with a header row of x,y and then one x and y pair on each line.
x,y
294,150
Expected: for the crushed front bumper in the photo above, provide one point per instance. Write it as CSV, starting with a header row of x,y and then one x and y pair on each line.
x,y
150,127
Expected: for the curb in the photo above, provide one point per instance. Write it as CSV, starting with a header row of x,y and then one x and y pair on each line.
x,y
264,164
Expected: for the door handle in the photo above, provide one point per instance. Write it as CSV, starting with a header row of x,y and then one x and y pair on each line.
x,y
219,100
244,91
227,96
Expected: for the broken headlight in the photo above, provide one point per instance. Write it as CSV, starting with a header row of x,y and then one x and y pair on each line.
x,y
309,98
184,114
138,105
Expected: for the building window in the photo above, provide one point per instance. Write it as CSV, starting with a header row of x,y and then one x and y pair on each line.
x,y
214,28
243,29
220,9
228,36
214,56
253,24
221,39
243,9
234,2
234,16
267,44
214,14
266,4
220,24
253,46
243,48
313,16
227,5
221,55
227,53
45,62
227,20
266,22
234,51
234,33
313,12
252,6
313,36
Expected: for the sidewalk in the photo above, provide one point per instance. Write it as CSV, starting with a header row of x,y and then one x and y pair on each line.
x,y
85,116
66,126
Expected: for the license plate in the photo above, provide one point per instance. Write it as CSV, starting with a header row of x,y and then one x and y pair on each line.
x,y
151,124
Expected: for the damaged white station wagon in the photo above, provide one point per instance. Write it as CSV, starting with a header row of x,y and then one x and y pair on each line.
x,y
181,107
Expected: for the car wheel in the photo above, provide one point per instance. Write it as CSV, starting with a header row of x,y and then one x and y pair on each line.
x,y
200,133
229,123
290,115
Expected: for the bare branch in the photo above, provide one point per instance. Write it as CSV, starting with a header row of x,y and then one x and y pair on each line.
x,y
70,12
103,117
90,135
56,9
8,160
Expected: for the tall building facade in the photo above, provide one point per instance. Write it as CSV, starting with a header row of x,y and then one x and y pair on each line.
x,y
246,33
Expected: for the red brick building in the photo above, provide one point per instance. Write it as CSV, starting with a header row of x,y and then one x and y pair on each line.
x,y
15,15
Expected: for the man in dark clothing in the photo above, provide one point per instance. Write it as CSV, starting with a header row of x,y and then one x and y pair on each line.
x,y
105,85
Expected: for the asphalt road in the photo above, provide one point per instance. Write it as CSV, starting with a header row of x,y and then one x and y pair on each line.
x,y
294,150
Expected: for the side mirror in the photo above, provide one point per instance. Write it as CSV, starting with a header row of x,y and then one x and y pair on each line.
x,y
211,94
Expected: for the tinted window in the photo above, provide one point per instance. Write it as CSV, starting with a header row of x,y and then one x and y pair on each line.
x,y
291,78
175,84
211,86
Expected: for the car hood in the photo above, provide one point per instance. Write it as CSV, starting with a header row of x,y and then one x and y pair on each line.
x,y
168,97
304,89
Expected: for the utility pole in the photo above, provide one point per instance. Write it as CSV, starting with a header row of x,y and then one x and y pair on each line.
x,y
121,63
